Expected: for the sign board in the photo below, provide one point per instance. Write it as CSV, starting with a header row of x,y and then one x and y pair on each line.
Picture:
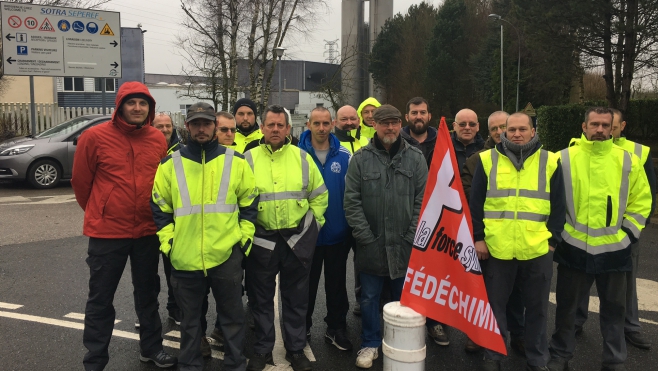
x,y
529,110
56,41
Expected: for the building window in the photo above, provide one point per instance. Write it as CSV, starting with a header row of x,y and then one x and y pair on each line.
x,y
74,84
110,85
184,108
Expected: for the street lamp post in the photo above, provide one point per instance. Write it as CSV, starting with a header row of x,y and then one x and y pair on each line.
x,y
279,53
518,70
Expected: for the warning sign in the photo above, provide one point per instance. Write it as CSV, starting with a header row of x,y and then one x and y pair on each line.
x,y
107,31
47,26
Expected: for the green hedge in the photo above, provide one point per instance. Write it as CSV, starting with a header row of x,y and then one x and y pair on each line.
x,y
556,125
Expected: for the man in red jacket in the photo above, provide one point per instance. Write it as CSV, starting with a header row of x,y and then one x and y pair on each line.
x,y
113,171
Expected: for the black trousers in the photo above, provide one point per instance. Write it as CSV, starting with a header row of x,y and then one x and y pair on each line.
x,y
334,258
572,286
191,289
171,299
262,267
534,278
107,260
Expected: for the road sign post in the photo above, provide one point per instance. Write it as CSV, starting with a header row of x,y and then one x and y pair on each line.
x,y
59,42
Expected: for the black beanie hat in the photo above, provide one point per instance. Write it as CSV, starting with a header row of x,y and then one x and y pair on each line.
x,y
138,95
245,102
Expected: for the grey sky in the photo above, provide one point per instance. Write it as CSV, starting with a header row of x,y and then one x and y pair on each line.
x,y
162,19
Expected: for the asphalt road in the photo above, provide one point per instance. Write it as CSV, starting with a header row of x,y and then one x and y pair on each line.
x,y
43,289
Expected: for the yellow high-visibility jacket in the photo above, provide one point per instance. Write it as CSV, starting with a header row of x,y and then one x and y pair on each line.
x,y
608,202
241,140
367,131
204,203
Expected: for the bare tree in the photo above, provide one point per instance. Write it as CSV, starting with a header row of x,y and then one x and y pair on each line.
x,y
223,32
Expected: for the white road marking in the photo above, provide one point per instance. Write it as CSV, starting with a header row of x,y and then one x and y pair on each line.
x,y
175,334
9,306
49,200
81,317
13,199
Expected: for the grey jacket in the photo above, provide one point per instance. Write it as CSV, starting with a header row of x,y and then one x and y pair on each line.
x,y
382,203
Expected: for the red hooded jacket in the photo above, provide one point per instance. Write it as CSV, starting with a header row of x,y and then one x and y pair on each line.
x,y
113,171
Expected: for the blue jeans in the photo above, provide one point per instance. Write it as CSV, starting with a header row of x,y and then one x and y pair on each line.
x,y
371,289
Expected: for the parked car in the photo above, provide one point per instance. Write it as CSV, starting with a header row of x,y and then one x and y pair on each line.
x,y
45,159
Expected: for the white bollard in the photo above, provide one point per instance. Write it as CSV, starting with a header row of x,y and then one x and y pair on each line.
x,y
404,339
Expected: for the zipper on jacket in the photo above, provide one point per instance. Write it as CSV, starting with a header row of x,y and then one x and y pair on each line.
x,y
203,173
608,212
516,209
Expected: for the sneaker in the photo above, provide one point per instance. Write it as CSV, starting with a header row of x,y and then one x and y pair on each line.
x,y
205,347
338,338
217,337
161,359
518,344
357,310
259,361
536,368
174,315
471,347
638,340
558,364
365,356
137,324
490,365
298,361
439,335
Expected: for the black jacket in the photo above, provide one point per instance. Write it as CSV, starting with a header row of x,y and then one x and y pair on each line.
x,y
462,151
427,147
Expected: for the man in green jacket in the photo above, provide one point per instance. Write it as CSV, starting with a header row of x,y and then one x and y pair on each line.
x,y
384,190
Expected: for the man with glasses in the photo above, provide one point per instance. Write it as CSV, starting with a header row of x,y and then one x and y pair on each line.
x,y
465,137
384,190
226,128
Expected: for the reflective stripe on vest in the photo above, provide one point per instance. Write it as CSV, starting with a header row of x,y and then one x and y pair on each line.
x,y
220,206
571,206
264,243
289,195
520,215
638,150
540,194
308,219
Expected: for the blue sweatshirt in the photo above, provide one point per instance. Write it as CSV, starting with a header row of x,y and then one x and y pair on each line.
x,y
335,229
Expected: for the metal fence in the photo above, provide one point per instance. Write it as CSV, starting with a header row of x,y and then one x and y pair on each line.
x,y
16,116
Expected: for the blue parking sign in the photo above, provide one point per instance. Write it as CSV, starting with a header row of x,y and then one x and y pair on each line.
x,y
21,50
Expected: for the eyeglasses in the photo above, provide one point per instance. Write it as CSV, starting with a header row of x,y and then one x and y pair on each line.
x,y
225,130
470,124
390,123
496,128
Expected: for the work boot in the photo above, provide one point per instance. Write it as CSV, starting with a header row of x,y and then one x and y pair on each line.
x,y
365,356
517,343
638,340
298,361
438,335
471,347
259,361
174,315
217,337
205,347
161,359
490,365
338,338
558,364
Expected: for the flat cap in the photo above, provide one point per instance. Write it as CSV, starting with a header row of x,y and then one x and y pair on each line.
x,y
386,111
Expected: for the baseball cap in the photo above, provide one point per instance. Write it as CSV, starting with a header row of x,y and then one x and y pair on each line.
x,y
200,110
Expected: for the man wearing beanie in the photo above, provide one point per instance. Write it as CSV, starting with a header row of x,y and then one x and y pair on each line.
x,y
245,111
518,207
113,171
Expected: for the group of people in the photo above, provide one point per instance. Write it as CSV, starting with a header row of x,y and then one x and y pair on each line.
x,y
242,203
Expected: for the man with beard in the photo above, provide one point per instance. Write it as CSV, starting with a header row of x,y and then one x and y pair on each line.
x,y
383,193
608,203
418,132
205,205
244,111
366,113
347,129
465,138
